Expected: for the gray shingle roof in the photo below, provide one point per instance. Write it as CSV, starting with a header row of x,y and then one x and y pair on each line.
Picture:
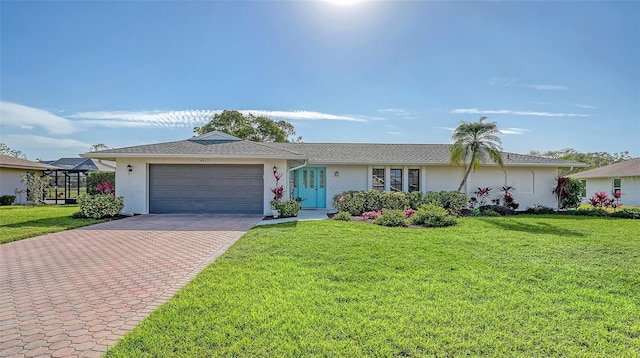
x,y
12,162
628,168
316,153
406,154
194,147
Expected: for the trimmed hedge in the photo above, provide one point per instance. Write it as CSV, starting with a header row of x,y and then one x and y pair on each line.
x,y
7,199
100,206
358,202
288,208
433,216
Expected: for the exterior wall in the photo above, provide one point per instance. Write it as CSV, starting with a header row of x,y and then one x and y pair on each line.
x,y
11,183
349,178
630,187
134,185
532,185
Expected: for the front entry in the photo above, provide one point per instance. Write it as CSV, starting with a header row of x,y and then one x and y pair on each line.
x,y
311,187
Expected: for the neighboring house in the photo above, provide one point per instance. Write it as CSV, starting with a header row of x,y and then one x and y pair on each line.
x,y
623,176
70,178
11,171
219,173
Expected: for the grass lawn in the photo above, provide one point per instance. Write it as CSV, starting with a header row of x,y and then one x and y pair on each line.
x,y
516,286
23,221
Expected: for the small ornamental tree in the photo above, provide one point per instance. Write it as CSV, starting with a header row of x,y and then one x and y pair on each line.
x,y
36,187
278,190
568,192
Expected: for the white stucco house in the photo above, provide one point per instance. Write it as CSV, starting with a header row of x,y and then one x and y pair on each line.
x,y
623,176
11,171
219,173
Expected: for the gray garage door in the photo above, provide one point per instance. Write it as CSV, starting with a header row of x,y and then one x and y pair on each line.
x,y
206,188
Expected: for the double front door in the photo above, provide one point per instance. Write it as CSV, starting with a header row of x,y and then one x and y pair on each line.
x,y
311,187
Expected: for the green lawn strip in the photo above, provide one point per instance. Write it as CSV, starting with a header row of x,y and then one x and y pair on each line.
x,y
515,286
24,221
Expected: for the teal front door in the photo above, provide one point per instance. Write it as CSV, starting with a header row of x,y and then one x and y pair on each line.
x,y
311,187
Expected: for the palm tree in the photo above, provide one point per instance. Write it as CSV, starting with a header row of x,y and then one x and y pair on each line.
x,y
472,141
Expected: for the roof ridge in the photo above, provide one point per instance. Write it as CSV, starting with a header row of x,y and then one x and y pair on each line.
x,y
283,149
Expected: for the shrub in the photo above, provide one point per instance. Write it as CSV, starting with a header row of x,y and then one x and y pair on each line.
x,y
100,206
358,202
539,209
415,199
288,209
393,218
342,216
568,192
502,210
7,199
489,212
100,178
433,216
408,213
370,214
394,200
453,200
507,197
590,212
627,213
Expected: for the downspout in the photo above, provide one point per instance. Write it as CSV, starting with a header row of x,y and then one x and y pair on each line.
x,y
299,166
292,169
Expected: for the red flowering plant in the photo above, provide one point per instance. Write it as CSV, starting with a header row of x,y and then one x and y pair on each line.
x,y
601,200
507,197
106,188
278,190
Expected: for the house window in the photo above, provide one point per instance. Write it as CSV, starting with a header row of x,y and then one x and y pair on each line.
x,y
396,179
617,185
583,193
414,180
378,179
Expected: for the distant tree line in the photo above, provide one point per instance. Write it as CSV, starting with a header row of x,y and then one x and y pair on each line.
x,y
593,159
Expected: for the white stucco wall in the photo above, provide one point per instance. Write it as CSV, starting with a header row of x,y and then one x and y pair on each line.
x,y
11,183
630,188
134,186
532,185
349,178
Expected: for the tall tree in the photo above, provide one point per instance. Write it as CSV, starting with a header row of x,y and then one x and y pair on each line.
x,y
249,127
4,149
593,159
472,142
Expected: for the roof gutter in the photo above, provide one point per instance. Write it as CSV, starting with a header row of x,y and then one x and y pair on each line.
x,y
299,166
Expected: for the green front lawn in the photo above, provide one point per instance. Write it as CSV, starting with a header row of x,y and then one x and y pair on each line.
x,y
23,221
506,286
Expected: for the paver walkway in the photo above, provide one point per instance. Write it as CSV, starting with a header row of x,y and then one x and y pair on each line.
x,y
75,293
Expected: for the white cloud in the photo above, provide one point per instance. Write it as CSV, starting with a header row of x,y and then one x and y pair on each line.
x,y
304,115
517,113
506,131
547,87
585,106
36,141
394,133
396,111
190,118
502,81
514,131
20,116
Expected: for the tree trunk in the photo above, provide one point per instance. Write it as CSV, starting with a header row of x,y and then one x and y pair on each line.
x,y
466,174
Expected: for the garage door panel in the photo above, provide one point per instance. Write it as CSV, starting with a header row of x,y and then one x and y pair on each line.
x,y
205,188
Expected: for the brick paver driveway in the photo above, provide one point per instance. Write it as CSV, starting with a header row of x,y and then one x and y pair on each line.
x,y
75,293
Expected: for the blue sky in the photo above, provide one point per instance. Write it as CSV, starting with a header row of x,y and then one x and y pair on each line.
x,y
551,74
